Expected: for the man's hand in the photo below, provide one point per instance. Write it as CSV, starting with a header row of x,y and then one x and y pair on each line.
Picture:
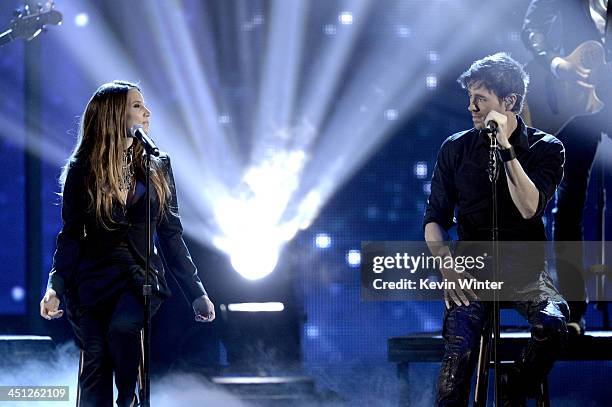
x,y
457,295
502,128
49,305
204,309
570,72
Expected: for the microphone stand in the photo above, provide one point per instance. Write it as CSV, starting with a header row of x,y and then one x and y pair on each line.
x,y
480,395
493,176
146,292
145,392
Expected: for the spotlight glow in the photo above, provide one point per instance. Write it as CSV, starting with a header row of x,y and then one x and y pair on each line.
x,y
312,331
254,257
431,81
391,114
420,169
224,119
353,258
256,307
81,19
323,241
345,18
329,29
404,32
433,57
17,293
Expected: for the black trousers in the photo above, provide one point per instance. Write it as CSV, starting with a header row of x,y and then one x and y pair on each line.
x,y
580,137
110,338
461,332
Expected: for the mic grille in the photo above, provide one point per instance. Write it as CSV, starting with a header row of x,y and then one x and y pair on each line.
x,y
135,128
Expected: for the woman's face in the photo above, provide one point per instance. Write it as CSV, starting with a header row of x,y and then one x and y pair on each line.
x,y
136,112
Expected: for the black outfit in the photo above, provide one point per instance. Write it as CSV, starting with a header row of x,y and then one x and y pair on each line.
x,y
460,182
100,273
580,136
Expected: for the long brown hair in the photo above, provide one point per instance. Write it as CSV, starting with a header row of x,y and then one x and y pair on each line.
x,y
101,141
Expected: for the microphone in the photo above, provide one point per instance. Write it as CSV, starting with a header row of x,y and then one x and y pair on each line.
x,y
492,126
137,132
493,167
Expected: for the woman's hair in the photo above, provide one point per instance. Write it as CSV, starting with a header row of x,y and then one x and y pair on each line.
x,y
100,145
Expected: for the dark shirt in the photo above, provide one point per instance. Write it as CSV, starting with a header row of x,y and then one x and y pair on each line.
x,y
119,269
460,182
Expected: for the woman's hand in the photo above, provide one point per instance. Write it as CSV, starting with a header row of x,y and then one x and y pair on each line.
x,y
204,309
49,305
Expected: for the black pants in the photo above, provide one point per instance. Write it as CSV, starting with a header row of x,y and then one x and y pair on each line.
x,y
461,332
110,338
580,137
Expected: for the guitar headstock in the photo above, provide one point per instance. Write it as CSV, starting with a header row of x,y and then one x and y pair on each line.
x,y
29,22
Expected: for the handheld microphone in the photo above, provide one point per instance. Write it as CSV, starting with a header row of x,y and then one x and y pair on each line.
x,y
137,131
493,167
492,126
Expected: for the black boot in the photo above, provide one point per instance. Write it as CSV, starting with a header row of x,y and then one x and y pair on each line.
x,y
512,388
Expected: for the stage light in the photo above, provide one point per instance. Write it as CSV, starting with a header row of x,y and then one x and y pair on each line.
x,y
391,114
323,241
427,188
420,169
353,258
224,119
329,29
404,32
432,81
17,293
81,19
258,19
433,57
256,307
345,18
312,331
254,257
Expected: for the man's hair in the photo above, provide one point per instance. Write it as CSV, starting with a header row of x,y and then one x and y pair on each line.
x,y
500,74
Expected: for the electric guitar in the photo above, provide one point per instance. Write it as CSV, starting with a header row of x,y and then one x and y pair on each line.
x,y
28,24
552,102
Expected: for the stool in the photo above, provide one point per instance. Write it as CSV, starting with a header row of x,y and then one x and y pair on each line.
x,y
139,383
484,363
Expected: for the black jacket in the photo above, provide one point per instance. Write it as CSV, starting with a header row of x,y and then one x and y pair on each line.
x,y
556,27
82,243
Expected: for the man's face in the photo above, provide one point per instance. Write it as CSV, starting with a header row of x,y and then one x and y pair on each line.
x,y
482,101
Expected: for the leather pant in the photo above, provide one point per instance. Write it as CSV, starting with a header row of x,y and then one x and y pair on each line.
x,y
461,332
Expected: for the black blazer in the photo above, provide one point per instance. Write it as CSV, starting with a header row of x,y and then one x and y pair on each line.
x,y
556,27
82,242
